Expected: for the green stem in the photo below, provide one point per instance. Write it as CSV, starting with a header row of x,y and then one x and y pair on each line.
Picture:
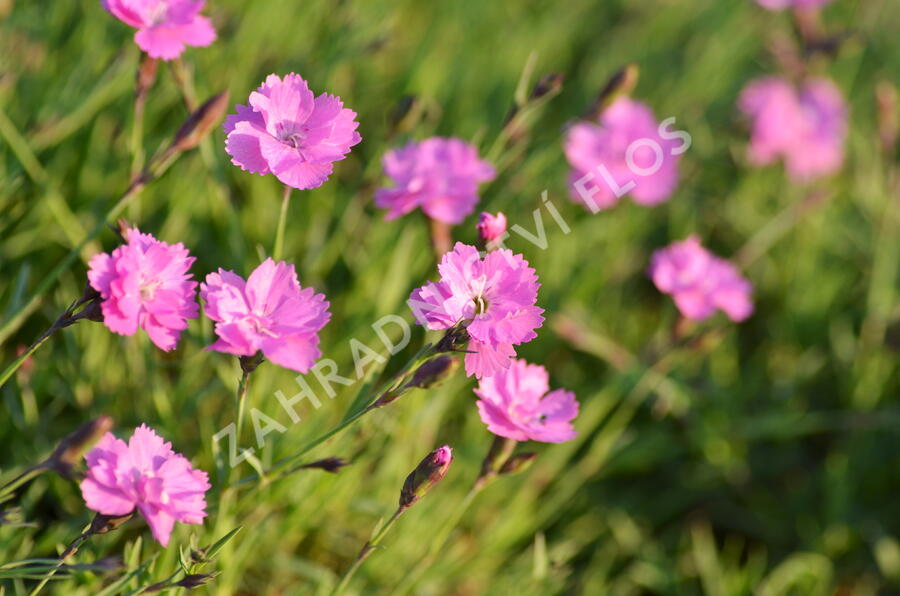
x,y
243,387
282,221
137,136
23,478
73,548
366,551
440,539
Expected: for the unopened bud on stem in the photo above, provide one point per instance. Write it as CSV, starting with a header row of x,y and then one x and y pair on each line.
x,y
70,450
621,83
429,472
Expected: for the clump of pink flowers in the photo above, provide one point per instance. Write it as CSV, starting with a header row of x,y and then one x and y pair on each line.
x,y
699,282
515,403
144,474
623,153
804,126
440,176
494,298
145,284
164,27
801,4
268,313
287,131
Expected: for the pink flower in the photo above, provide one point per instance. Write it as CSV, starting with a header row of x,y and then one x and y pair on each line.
x,y
269,312
439,175
624,153
288,132
145,284
805,127
515,404
491,227
144,474
700,282
801,4
164,27
495,298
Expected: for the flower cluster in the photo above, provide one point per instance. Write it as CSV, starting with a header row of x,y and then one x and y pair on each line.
x,y
494,298
700,282
440,176
164,27
144,474
624,150
268,313
145,284
805,127
291,133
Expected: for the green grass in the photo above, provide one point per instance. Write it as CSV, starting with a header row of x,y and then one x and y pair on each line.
x,y
765,458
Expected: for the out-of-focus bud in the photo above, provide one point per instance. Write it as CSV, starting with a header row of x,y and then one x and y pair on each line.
x,y
71,449
200,123
429,472
886,99
621,83
107,523
491,230
329,464
497,456
433,372
195,580
517,463
404,115
12,517
549,84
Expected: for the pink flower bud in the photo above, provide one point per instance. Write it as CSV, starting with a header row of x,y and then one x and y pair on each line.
x,y
491,227
429,472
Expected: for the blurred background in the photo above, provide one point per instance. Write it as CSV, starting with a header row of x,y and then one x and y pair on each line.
x,y
762,457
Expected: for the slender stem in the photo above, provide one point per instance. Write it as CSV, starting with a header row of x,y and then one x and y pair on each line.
x,y
243,387
137,135
184,81
14,366
282,221
440,539
71,550
24,477
366,551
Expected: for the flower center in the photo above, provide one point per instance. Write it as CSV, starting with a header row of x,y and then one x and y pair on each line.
x,y
157,13
481,305
289,136
148,290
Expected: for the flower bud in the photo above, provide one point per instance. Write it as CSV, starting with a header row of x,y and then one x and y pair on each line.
x,y
429,472
433,372
491,229
549,83
145,76
70,450
517,463
329,464
621,83
200,123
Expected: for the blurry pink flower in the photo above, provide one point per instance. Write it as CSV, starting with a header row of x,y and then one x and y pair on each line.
x,y
269,312
623,154
515,404
491,227
288,132
700,282
145,284
147,475
782,4
494,297
806,128
439,175
164,27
